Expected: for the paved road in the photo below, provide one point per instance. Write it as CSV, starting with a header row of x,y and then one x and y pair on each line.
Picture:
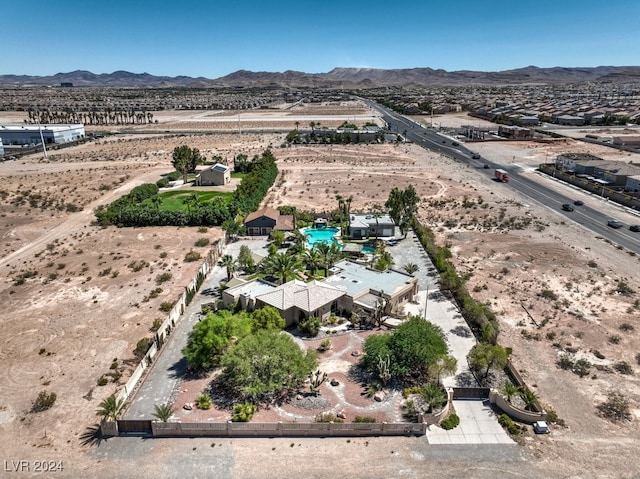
x,y
163,380
588,216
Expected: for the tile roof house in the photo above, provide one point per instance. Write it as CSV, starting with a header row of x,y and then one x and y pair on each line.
x,y
297,300
261,222
216,175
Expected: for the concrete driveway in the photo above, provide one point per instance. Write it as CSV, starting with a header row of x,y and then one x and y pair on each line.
x,y
478,425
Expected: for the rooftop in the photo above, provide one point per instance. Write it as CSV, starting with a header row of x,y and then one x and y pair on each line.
x,y
356,279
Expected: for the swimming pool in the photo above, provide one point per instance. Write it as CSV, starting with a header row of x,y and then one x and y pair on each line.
x,y
321,235
368,249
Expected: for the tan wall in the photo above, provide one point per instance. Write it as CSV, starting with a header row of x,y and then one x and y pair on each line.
x,y
514,412
249,429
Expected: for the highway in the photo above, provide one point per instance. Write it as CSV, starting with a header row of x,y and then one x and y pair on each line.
x,y
587,215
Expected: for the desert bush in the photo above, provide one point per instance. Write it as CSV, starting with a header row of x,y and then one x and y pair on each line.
x,y
136,266
103,381
201,242
638,358
624,289
327,417
243,412
548,294
166,306
597,354
450,422
507,423
192,256
156,324
614,339
626,327
325,345
163,278
615,408
364,419
203,402
142,347
565,361
43,402
310,326
623,367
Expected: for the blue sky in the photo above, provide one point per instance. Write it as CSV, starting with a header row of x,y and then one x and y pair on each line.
x,y
212,38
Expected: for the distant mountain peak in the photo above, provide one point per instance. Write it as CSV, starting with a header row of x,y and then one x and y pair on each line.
x,y
342,77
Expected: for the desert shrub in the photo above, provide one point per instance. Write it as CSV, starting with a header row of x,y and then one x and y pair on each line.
x,y
163,277
162,183
310,326
201,242
450,422
598,354
203,402
192,256
638,358
614,339
243,412
156,324
136,266
203,229
507,423
623,367
103,381
143,346
327,417
364,419
624,289
166,306
615,408
43,402
548,294
325,345
581,367
406,392
565,361
626,327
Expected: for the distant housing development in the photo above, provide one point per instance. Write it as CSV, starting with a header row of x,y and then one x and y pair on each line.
x,y
31,134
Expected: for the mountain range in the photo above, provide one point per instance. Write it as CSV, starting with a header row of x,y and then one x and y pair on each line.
x,y
338,78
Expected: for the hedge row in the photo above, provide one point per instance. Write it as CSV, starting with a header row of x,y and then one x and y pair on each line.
x,y
477,314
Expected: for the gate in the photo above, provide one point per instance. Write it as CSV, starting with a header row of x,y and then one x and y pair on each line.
x,y
470,393
134,426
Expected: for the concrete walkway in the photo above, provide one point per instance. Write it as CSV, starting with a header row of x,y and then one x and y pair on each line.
x,y
478,425
163,380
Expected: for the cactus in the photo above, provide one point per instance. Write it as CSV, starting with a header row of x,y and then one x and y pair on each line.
x,y
384,369
316,380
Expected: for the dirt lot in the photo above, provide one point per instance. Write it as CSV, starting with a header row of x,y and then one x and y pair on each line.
x,y
85,306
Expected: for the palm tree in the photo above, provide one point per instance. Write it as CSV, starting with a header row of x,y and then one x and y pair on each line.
x,y
297,124
330,253
340,201
347,203
411,268
444,365
530,399
227,261
110,408
162,411
282,265
312,259
508,390
433,395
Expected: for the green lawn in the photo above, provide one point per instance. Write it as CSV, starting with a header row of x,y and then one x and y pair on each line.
x,y
173,200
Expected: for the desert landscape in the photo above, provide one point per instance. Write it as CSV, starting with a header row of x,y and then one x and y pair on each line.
x,y
78,297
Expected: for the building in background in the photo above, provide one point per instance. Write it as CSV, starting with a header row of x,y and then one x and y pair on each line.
x,y
35,134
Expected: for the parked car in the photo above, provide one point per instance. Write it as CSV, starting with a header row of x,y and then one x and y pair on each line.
x,y
475,156
455,143
567,207
486,167
615,223
635,228
578,202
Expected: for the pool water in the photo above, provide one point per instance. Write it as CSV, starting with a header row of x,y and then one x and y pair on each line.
x,y
368,249
321,235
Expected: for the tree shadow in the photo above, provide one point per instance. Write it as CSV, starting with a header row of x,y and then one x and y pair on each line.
x,y
180,369
92,436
